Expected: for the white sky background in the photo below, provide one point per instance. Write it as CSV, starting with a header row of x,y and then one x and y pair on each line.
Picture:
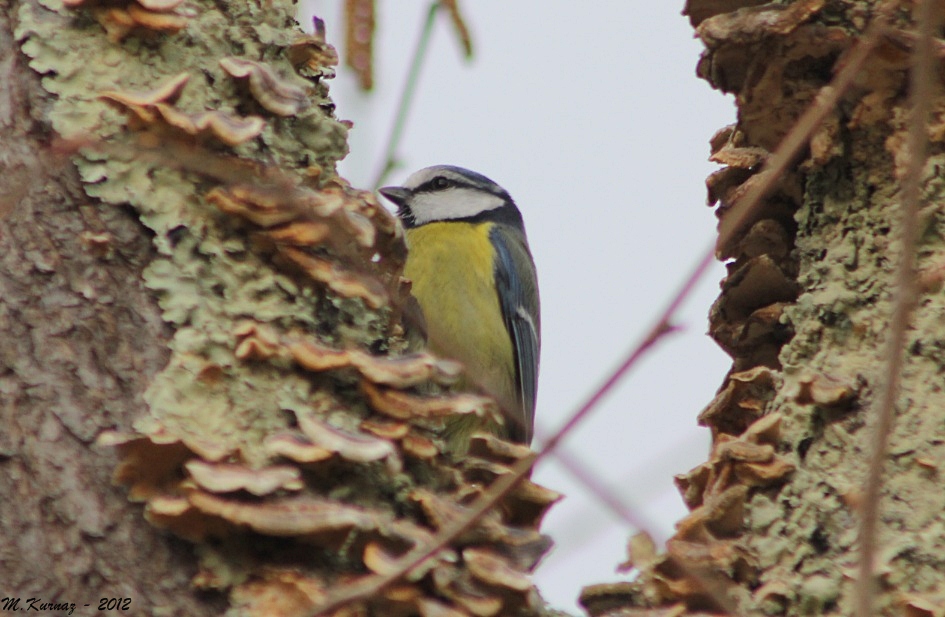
x,y
591,116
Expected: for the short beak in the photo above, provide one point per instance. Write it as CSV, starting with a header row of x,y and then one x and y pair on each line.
x,y
396,194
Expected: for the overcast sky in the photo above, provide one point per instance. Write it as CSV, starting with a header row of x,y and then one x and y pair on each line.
x,y
591,116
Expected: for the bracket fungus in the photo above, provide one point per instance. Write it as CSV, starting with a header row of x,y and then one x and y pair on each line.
x,y
278,95
120,19
155,108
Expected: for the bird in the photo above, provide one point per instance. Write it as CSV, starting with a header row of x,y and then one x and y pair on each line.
x,y
475,281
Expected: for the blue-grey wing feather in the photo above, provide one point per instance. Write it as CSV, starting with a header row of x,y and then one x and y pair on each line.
x,y
517,285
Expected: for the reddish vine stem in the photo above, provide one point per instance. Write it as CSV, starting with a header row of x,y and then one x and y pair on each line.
x,y
406,97
613,501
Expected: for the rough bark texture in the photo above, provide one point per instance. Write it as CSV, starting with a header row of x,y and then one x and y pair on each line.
x,y
193,275
80,339
804,312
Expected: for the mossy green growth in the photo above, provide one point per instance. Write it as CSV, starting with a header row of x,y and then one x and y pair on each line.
x,y
206,276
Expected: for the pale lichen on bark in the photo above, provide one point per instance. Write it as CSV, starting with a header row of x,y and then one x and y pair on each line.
x,y
201,301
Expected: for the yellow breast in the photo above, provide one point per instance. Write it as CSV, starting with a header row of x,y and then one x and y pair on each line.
x,y
451,265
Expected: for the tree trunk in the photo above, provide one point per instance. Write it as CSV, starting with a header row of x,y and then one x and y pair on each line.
x,y
81,339
804,312
195,305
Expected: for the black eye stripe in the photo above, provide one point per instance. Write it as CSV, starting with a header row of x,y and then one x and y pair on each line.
x,y
438,183
441,184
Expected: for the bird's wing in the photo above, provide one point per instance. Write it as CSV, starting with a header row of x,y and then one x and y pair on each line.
x,y
517,285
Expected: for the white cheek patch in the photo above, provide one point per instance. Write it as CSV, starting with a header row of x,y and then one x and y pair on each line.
x,y
454,203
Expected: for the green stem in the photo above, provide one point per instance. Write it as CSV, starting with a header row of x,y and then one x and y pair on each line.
x,y
406,98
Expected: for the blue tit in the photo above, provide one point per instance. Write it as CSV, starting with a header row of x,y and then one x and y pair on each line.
x,y
474,279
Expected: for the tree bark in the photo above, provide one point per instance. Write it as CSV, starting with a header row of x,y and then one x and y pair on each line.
x,y
804,312
81,339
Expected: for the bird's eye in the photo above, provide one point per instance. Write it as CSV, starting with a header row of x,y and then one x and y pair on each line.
x,y
440,183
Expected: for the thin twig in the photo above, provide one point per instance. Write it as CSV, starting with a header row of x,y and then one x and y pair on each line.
x,y
373,584
787,151
618,506
922,77
611,499
406,98
634,517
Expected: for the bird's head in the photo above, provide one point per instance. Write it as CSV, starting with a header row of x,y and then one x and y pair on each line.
x,y
446,193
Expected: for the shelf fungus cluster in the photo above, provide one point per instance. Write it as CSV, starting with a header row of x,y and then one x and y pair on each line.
x,y
772,526
136,16
341,476
288,536
705,564
332,235
156,109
